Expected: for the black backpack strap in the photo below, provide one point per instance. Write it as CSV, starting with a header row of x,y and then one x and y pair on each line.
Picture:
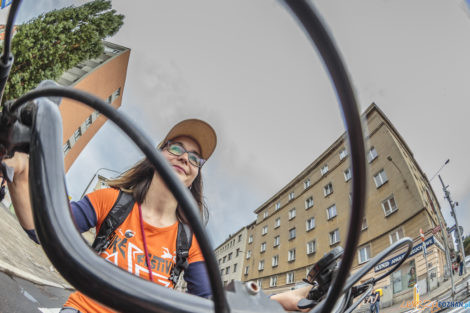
x,y
120,210
183,243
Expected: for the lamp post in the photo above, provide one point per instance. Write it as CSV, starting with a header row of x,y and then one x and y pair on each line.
x,y
444,236
452,205
91,180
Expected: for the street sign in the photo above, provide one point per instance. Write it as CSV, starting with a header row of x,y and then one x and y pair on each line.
x,y
6,3
450,230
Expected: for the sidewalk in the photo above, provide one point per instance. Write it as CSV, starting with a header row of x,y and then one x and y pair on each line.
x,y
21,257
436,294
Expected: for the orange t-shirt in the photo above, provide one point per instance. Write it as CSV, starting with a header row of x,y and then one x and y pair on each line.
x,y
127,251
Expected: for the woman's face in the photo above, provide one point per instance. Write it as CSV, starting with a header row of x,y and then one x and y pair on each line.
x,y
186,171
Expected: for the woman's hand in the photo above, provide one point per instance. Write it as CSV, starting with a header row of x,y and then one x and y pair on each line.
x,y
19,189
289,299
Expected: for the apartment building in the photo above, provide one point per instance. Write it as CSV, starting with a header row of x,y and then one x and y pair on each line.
x,y
230,255
310,216
103,77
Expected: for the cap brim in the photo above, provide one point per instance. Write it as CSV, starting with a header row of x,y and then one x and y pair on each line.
x,y
199,131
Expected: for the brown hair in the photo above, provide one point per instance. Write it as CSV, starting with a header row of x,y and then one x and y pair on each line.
x,y
138,178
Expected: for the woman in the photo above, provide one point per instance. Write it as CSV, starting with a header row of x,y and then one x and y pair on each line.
x,y
152,224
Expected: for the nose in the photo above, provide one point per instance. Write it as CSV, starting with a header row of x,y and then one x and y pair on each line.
x,y
184,157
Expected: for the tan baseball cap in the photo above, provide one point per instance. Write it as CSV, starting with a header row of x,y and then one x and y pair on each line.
x,y
199,131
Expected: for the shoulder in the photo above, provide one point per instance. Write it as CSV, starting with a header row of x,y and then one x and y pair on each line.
x,y
103,195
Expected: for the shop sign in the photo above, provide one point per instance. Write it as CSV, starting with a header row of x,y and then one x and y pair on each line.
x,y
416,249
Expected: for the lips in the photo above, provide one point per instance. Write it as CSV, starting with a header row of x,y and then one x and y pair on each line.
x,y
179,168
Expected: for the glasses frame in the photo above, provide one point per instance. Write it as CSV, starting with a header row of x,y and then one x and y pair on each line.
x,y
169,143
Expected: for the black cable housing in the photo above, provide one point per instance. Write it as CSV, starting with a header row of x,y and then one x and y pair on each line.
x,y
307,16
6,59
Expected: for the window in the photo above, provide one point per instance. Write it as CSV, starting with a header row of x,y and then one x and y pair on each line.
x,y
380,178
237,252
248,254
89,121
291,213
347,174
275,260
225,258
277,206
246,270
263,247
258,282
328,189
220,261
291,196
306,183
230,256
261,265
290,278
334,237
364,254
291,255
308,203
234,267
67,147
324,169
310,224
331,211
265,214
311,247
77,134
277,222
389,206
222,272
291,233
364,224
227,270
239,238
273,281
371,155
250,239
277,240
264,230
396,235
343,153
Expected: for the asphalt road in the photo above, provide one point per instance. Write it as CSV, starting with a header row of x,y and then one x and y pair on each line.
x,y
20,296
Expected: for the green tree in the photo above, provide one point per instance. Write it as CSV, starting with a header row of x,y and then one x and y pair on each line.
x,y
56,41
466,245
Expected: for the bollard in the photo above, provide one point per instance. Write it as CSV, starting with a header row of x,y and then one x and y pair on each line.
x,y
416,296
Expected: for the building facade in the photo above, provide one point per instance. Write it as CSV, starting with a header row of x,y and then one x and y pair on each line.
x,y
103,77
230,255
310,216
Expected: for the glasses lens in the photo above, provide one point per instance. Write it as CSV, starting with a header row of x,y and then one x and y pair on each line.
x,y
194,159
175,149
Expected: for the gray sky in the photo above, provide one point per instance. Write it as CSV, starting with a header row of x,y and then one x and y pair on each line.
x,y
248,69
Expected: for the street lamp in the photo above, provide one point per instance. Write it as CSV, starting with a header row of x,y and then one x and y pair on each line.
x,y
91,180
445,163
452,205
444,235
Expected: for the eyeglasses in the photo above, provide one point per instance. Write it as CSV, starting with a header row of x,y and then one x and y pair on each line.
x,y
177,149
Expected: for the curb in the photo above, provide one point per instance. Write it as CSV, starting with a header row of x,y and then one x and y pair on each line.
x,y
13,271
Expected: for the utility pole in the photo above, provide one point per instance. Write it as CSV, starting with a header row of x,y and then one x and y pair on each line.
x,y
452,204
421,234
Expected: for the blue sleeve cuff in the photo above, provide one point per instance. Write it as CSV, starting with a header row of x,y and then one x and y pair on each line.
x,y
32,235
197,280
83,214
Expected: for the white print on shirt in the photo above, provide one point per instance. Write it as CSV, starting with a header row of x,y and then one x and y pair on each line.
x,y
167,255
